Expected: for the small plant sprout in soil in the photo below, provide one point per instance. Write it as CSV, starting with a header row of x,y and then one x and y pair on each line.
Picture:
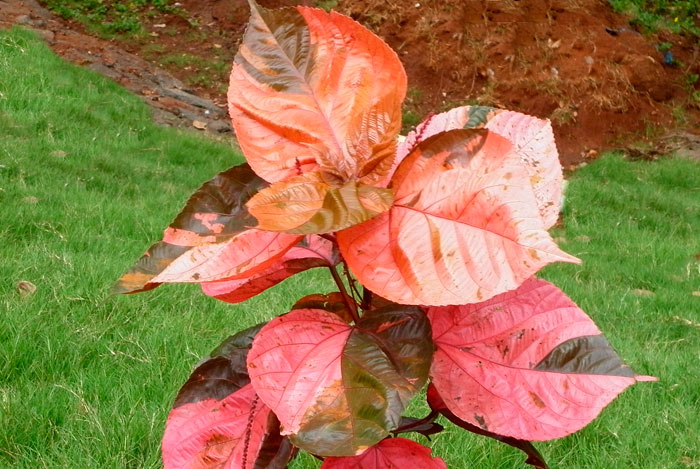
x,y
433,243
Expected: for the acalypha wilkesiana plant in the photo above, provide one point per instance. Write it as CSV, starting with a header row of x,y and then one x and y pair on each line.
x,y
433,241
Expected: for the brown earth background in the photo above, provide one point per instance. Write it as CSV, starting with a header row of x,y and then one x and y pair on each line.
x,y
603,84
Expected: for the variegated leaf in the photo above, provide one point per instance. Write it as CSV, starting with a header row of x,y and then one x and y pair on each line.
x,y
532,139
464,226
339,389
527,364
307,204
211,238
217,420
339,86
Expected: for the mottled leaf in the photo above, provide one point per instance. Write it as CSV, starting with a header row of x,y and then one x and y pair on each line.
x,y
534,458
339,389
217,419
222,373
528,364
310,252
464,226
211,238
532,139
392,453
307,204
238,431
339,86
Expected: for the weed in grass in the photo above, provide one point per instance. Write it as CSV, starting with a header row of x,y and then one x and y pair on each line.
x,y
112,18
678,16
410,120
327,5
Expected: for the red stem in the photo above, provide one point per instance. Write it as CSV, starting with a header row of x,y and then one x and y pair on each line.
x,y
349,302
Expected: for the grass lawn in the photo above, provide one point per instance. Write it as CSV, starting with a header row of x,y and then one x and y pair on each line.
x,y
87,182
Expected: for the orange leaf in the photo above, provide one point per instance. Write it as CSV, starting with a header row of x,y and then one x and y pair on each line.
x,y
464,227
307,204
313,91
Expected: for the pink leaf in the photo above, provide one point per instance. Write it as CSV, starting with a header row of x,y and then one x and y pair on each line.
x,y
464,226
339,389
340,87
230,433
392,453
534,458
312,251
531,137
528,364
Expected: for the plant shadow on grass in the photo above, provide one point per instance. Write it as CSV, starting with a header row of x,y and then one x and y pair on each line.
x,y
87,380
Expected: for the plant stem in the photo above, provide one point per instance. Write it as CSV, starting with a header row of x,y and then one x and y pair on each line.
x,y
349,302
351,282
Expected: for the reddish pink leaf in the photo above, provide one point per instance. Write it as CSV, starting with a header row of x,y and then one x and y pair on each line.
x,y
527,364
312,251
339,389
531,137
534,458
392,453
229,433
340,87
464,226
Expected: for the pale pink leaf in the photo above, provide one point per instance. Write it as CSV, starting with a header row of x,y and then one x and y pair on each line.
x,y
464,226
532,139
392,453
527,364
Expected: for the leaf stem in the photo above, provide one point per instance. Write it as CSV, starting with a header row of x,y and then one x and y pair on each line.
x,y
351,282
349,302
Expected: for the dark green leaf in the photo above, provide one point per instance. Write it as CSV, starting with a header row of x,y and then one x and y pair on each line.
x,y
222,373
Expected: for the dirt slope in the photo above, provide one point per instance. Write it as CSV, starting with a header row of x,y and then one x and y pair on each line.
x,y
603,84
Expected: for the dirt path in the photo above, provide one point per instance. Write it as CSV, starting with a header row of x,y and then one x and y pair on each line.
x,y
603,84
173,103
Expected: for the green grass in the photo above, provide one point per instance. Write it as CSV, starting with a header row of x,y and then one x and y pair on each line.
x,y
678,16
87,182
110,18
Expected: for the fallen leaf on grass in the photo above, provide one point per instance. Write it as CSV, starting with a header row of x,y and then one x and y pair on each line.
x,y
643,292
696,293
58,154
30,200
26,288
686,322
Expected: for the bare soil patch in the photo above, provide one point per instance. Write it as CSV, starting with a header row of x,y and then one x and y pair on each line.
x,y
603,84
